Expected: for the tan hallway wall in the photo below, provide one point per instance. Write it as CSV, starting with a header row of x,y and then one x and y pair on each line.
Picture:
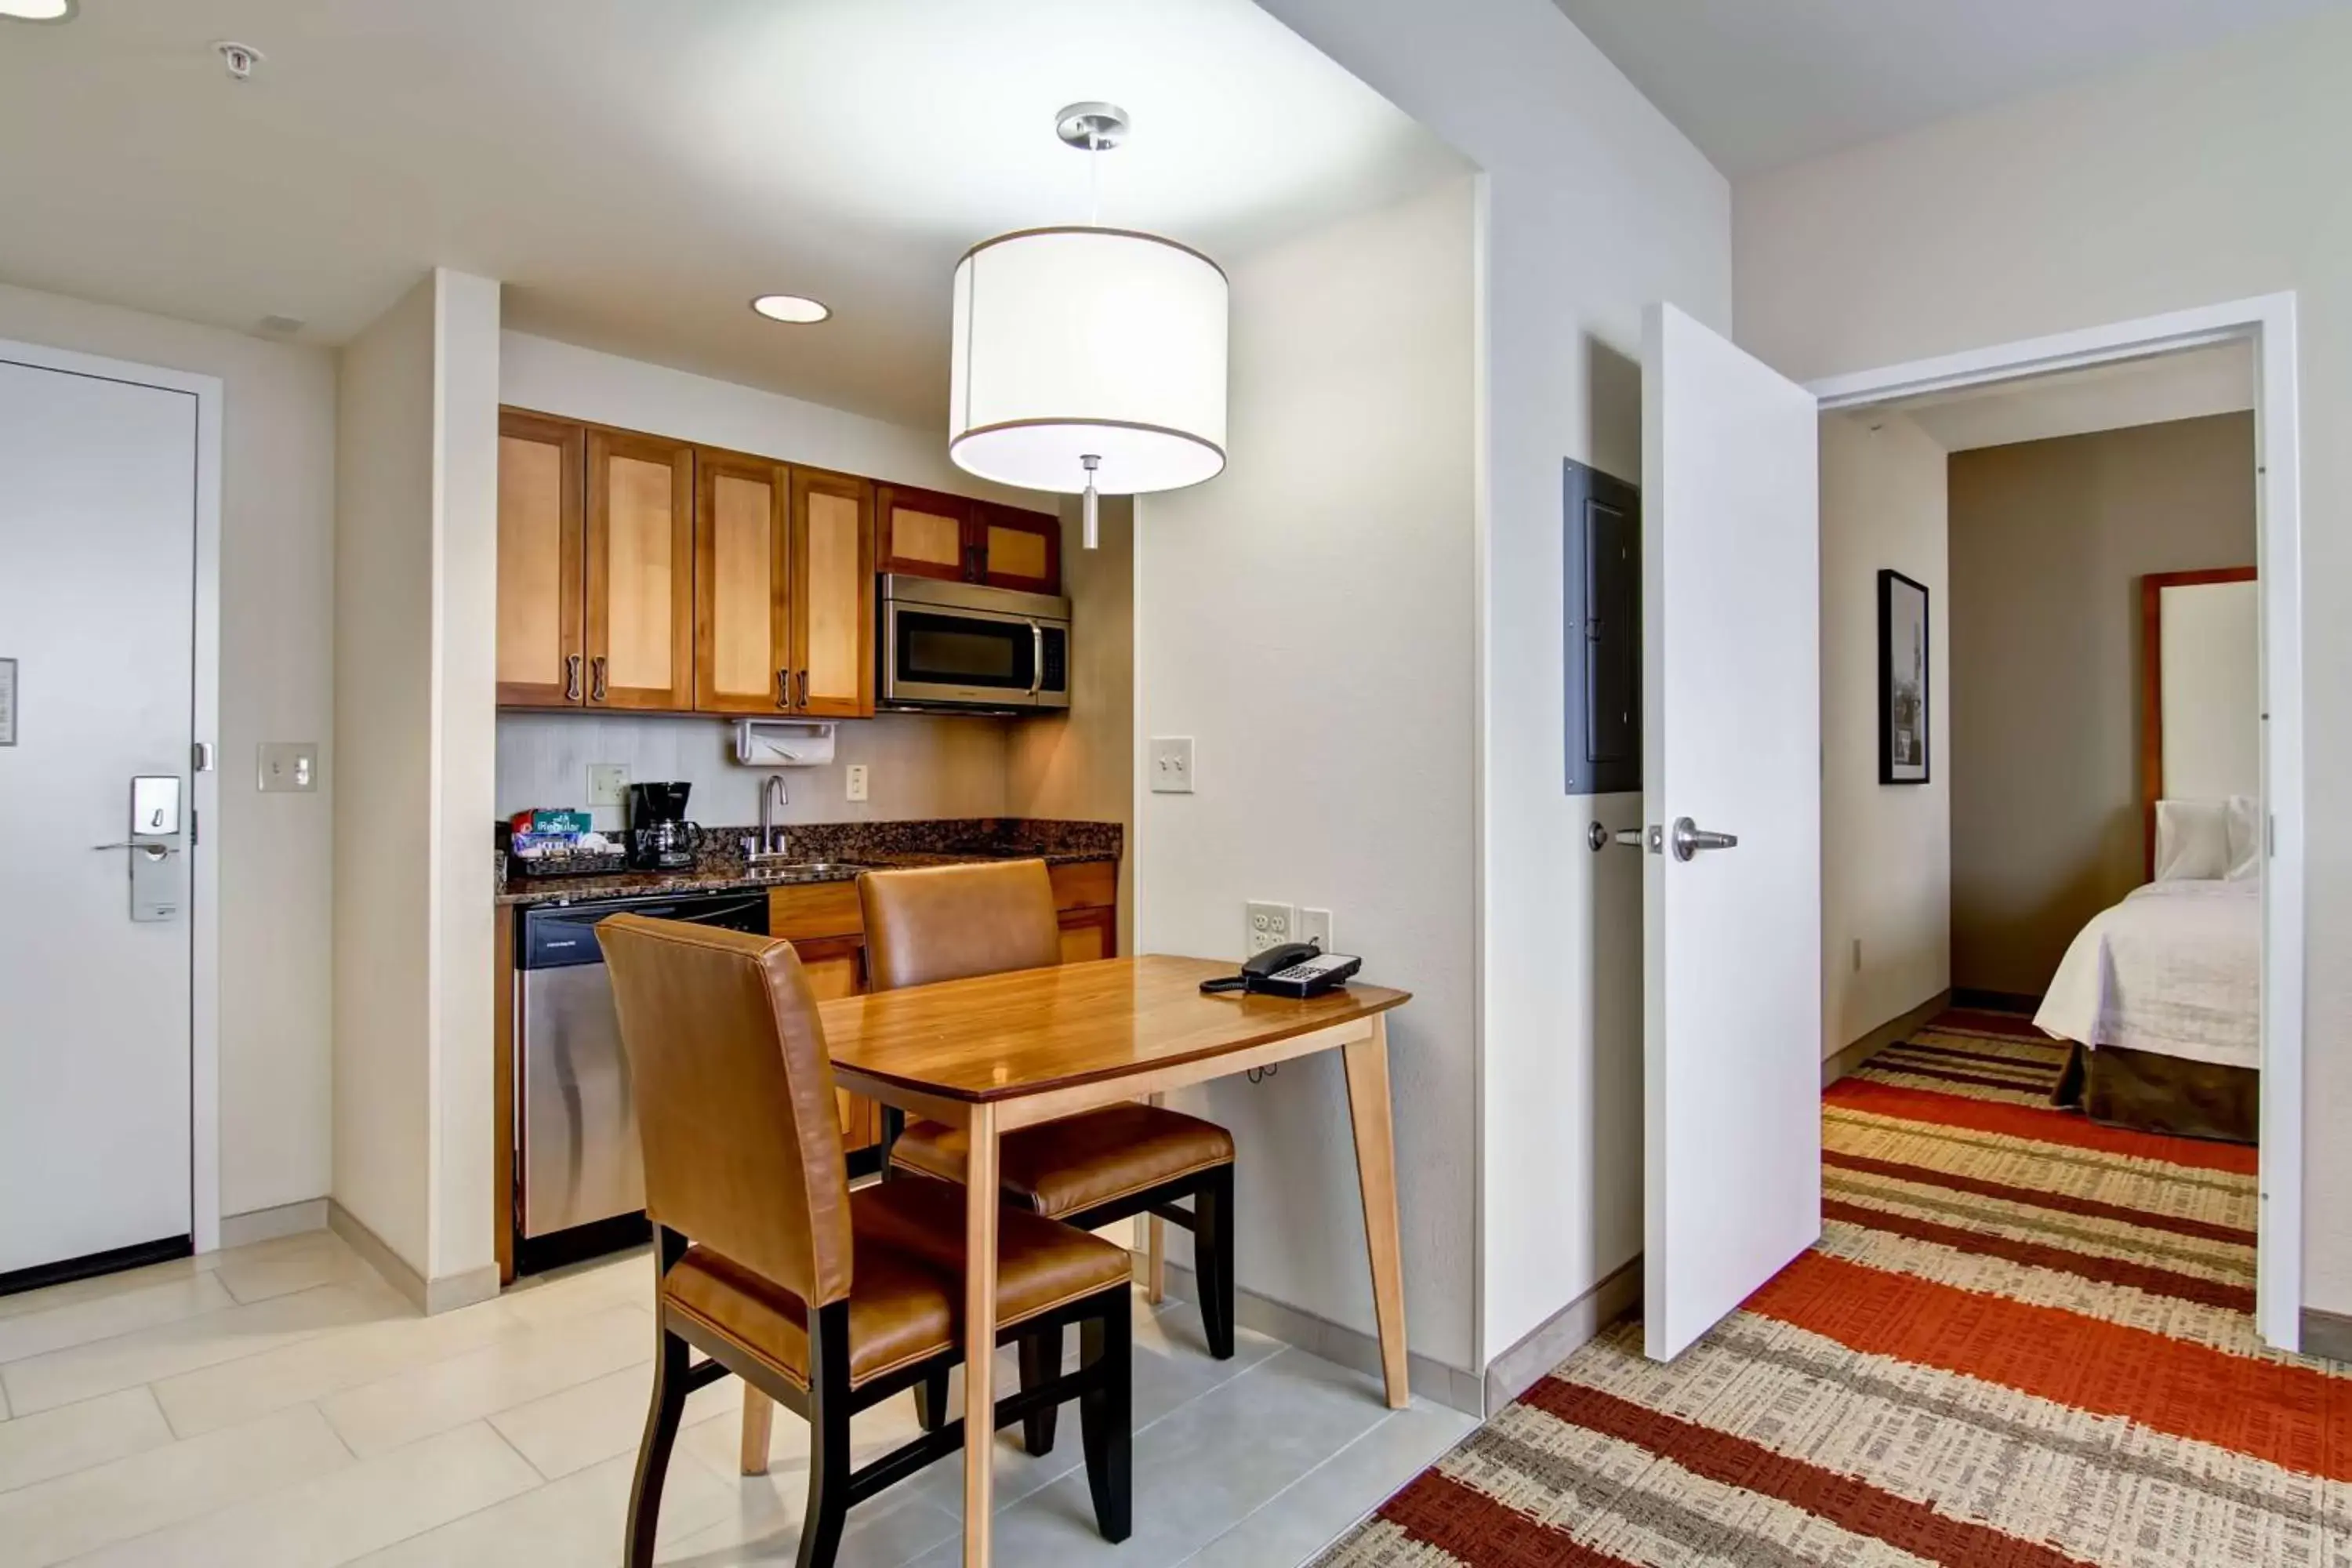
x,y
2049,540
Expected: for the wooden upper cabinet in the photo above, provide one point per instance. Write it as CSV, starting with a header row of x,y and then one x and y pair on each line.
x,y
832,600
743,574
640,571
1017,549
924,533
542,660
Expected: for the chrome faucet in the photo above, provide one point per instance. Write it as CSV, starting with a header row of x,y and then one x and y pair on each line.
x,y
771,844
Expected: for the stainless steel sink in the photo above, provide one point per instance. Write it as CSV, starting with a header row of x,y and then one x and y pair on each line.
x,y
806,871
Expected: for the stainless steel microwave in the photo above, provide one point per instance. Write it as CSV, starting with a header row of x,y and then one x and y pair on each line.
x,y
963,646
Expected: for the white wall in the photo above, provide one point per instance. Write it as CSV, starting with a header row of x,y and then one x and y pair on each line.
x,y
1593,205
1309,618
574,383
2191,180
273,851
384,806
1886,849
415,619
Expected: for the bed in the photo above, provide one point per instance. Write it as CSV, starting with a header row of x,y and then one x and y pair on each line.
x,y
2161,992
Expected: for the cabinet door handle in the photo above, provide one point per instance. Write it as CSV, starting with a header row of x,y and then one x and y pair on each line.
x,y
783,688
596,681
571,679
803,689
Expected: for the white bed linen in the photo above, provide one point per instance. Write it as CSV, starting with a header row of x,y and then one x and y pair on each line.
x,y
2175,968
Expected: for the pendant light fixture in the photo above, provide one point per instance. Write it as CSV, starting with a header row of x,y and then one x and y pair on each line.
x,y
1087,359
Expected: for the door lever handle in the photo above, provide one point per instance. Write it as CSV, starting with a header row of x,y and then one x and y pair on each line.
x,y
1690,838
154,851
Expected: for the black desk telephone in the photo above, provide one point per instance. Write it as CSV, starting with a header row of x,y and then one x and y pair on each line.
x,y
1297,969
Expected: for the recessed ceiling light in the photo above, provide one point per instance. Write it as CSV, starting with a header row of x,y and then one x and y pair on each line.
x,y
38,10
797,309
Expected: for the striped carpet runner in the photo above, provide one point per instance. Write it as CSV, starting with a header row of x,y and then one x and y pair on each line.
x,y
2023,1341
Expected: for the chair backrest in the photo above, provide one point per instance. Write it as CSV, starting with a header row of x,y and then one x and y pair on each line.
x,y
734,1098
949,922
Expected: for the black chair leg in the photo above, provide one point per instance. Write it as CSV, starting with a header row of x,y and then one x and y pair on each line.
x,y
828,1487
662,1418
931,1401
1041,1362
1107,1416
1213,1257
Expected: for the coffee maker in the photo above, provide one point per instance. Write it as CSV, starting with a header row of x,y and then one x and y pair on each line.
x,y
660,837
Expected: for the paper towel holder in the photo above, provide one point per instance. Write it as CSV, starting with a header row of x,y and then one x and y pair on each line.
x,y
783,743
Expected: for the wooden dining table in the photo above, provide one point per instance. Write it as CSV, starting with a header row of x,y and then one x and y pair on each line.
x,y
1001,1052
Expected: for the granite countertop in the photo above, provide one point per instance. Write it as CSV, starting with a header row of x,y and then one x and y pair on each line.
x,y
835,852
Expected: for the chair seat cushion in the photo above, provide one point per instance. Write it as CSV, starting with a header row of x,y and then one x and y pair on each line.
x,y
906,1294
1081,1163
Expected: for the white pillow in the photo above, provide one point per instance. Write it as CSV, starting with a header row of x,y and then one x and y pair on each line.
x,y
2245,838
2192,840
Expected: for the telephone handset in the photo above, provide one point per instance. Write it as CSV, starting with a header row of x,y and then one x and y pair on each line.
x,y
1296,969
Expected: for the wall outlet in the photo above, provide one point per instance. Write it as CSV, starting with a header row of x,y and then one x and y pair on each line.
x,y
1315,926
291,765
1270,925
1171,765
607,783
856,776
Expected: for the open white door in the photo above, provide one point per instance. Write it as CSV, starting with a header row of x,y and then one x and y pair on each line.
x,y
1731,746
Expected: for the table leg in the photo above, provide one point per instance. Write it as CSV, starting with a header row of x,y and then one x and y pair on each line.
x,y
1155,1232
980,1201
759,1411
1368,1109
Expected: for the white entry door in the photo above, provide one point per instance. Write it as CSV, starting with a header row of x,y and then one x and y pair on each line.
x,y
98,487
1731,750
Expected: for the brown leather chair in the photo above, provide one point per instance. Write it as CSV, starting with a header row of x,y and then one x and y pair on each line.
x,y
954,921
825,1301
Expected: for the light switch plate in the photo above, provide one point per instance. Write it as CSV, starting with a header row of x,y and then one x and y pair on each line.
x,y
289,766
857,781
607,783
1171,765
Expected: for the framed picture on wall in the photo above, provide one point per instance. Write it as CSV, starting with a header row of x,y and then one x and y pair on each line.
x,y
1902,693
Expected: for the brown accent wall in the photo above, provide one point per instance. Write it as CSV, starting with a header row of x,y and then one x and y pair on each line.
x,y
2049,540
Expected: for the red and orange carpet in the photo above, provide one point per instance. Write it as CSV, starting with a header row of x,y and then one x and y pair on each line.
x,y
2023,1341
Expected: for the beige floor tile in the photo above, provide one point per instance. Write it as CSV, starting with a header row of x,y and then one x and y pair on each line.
x,y
585,1287
315,1368
576,1427
103,1316
55,1519
1299,1521
76,1437
53,1296
335,1518
884,1532
289,1263
566,1523
84,1372
510,1371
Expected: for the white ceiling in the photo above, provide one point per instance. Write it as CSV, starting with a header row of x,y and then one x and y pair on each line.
x,y
1761,84
637,170
2186,385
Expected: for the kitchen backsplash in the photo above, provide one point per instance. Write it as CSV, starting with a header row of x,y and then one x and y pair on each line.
x,y
917,766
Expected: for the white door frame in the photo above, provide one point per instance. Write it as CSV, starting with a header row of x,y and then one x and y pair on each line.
x,y
204,879
2268,322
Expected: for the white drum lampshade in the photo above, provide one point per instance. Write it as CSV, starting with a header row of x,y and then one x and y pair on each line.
x,y
1089,343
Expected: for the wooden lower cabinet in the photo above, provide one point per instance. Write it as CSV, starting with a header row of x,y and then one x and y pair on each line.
x,y
1088,935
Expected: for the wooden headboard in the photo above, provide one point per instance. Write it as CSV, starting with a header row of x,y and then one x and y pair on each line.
x,y
2151,686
